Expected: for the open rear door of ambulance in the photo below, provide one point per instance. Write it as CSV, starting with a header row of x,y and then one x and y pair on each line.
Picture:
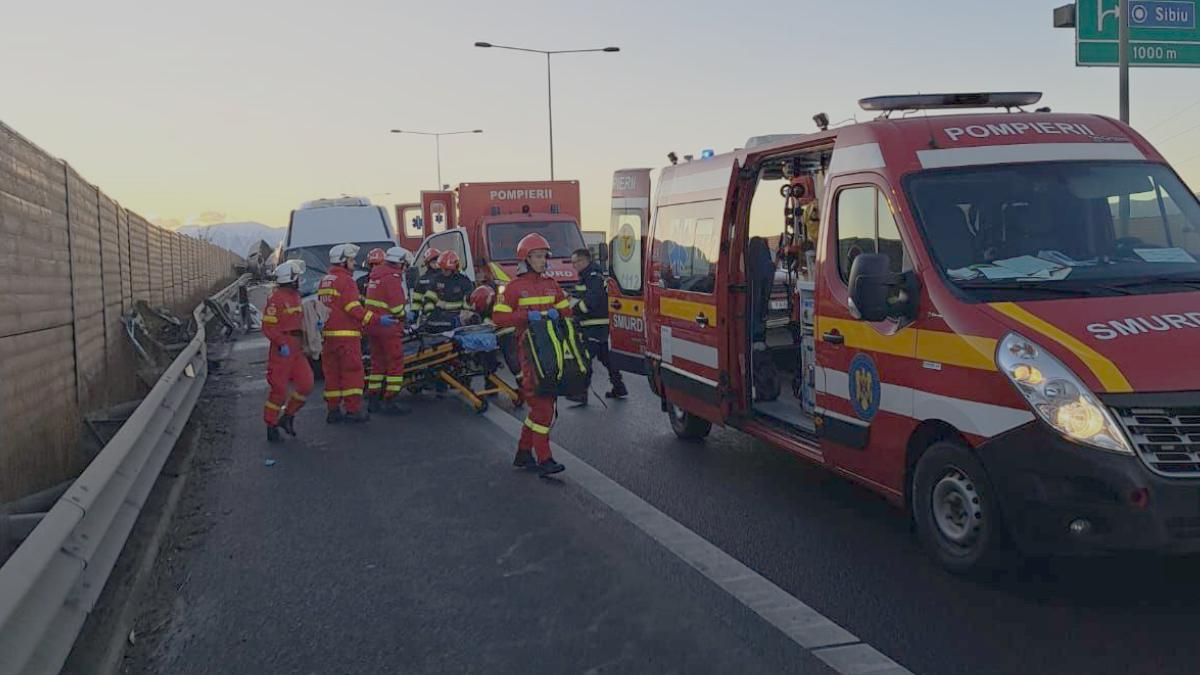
x,y
410,226
627,245
687,332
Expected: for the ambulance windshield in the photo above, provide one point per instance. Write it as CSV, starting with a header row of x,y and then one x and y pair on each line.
x,y
1127,227
564,238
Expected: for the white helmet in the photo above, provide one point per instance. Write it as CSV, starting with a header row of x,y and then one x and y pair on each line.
x,y
343,253
399,256
289,271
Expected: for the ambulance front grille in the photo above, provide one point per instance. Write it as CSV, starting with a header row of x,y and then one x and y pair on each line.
x,y
1166,438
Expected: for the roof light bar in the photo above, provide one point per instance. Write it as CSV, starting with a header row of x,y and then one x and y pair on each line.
x,y
1002,99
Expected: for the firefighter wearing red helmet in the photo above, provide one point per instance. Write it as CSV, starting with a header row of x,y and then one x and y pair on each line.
x,y
423,284
532,296
448,293
374,258
385,294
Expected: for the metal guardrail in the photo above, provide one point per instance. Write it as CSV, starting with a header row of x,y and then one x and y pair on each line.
x,y
52,581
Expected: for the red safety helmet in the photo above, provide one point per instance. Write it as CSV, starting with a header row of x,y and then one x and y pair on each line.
x,y
375,257
530,243
431,257
482,298
448,260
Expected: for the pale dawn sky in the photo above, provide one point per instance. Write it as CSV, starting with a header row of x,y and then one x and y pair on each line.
x,y
239,110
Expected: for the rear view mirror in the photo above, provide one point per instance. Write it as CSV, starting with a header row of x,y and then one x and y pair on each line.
x,y
877,293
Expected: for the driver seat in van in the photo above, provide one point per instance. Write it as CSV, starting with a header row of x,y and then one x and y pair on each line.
x,y
946,225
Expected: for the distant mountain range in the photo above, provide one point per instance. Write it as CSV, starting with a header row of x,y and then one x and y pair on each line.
x,y
235,237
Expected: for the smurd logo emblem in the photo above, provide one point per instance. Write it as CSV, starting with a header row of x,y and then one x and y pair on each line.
x,y
625,242
864,387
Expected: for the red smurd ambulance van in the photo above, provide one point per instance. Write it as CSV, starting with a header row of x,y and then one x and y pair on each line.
x,y
996,321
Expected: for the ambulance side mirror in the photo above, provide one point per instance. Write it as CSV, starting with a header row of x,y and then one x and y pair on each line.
x,y
877,293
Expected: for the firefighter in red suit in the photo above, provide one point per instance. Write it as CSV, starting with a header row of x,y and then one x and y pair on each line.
x,y
374,379
287,366
341,351
385,295
532,296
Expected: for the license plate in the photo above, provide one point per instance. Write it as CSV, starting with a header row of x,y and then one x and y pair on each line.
x,y
778,305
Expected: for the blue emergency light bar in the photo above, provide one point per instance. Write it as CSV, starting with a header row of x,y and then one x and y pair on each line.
x,y
1002,99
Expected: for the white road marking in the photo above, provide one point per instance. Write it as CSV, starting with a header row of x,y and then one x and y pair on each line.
x,y
836,646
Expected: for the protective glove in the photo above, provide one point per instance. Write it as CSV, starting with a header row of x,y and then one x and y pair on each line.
x,y
553,314
387,321
535,315
285,351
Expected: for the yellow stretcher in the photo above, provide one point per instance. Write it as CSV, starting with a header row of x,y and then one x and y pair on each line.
x,y
456,359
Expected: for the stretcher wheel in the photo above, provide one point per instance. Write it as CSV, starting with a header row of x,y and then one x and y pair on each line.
x,y
482,407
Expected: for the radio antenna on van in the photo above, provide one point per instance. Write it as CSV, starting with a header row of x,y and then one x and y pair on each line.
x,y
886,105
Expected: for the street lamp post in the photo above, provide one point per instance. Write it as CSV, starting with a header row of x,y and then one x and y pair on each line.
x,y
549,91
437,135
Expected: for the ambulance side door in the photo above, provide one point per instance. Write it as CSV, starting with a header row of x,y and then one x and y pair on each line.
x,y
626,293
682,292
865,399
450,240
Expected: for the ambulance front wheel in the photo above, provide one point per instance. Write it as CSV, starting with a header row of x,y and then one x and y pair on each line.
x,y
686,425
955,510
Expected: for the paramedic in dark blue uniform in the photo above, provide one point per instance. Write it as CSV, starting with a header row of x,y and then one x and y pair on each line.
x,y
590,301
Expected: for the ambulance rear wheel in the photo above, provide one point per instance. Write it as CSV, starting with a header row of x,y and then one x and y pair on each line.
x,y
955,510
686,425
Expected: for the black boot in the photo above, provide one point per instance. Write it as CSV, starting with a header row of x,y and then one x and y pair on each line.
x,y
272,434
288,424
550,467
335,416
525,460
580,400
618,390
358,417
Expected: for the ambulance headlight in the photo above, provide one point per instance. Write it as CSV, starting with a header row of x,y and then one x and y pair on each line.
x,y
1057,396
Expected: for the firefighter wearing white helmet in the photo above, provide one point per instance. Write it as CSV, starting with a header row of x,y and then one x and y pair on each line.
x,y
341,351
287,366
386,295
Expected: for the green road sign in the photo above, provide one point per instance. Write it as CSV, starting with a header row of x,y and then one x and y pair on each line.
x,y
1162,33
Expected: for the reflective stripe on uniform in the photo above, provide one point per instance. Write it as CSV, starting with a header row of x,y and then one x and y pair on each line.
x,y
537,428
395,379
297,396
580,288
272,406
376,303
506,331
328,291
352,305
539,300
449,305
398,309
333,394
270,319
563,304
374,378
501,308
293,310
341,333
352,392
583,306
593,322
367,317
